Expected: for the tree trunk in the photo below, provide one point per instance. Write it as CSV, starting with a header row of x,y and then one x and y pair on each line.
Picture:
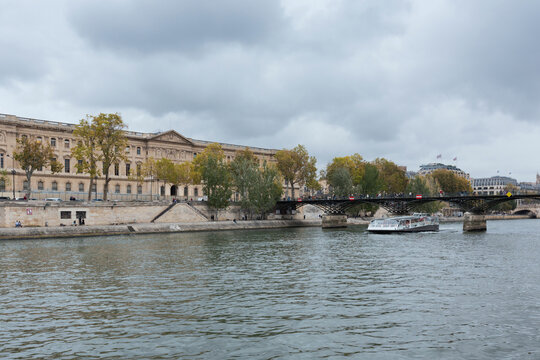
x,y
90,188
28,178
106,187
292,190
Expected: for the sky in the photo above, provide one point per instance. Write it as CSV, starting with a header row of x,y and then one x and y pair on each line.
x,y
403,80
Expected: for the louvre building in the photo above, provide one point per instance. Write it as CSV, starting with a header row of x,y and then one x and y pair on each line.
x,y
142,146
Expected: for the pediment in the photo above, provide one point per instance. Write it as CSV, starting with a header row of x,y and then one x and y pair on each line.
x,y
171,136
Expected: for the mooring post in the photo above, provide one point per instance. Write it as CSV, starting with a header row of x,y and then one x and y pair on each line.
x,y
334,221
474,222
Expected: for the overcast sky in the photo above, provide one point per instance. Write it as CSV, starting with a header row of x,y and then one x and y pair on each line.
x,y
404,80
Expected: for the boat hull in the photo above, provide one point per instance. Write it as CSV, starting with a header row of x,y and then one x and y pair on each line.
x,y
434,227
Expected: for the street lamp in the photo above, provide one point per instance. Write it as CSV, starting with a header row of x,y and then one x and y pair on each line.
x,y
12,173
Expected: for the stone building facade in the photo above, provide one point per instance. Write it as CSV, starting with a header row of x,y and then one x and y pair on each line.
x,y
142,146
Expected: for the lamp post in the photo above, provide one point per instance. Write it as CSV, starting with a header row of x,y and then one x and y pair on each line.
x,y
12,173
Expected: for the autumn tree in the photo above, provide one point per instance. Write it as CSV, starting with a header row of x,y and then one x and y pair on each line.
x,y
33,155
354,164
393,178
86,150
451,183
296,166
112,143
182,174
212,171
100,138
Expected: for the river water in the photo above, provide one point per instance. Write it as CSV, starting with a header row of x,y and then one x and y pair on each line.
x,y
278,294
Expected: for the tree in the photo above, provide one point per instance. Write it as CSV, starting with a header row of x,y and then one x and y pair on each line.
x,y
101,138
33,155
353,163
341,181
165,171
112,143
424,185
244,171
266,190
392,177
371,183
182,174
211,170
451,183
296,166
86,150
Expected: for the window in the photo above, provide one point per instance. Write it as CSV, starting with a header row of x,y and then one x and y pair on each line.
x,y
139,189
81,187
185,191
40,185
65,214
25,185
53,142
194,155
66,143
117,189
54,186
138,150
128,167
53,160
38,139
128,189
128,149
24,137
2,185
1,161
94,187
68,186
66,165
196,192
138,169
79,166
116,169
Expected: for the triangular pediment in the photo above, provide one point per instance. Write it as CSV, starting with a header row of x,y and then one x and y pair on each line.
x,y
172,137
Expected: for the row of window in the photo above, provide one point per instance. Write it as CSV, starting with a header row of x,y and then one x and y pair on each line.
x,y
117,188
67,144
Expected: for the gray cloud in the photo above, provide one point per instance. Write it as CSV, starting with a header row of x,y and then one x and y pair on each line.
x,y
404,80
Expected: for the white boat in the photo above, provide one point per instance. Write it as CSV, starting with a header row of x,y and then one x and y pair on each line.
x,y
412,223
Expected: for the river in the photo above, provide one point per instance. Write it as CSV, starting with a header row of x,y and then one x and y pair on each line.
x,y
303,293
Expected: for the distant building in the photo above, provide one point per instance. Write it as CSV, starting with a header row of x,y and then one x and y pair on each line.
x,y
431,167
494,185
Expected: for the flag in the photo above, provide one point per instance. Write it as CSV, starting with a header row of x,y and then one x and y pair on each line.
x,y
455,158
439,156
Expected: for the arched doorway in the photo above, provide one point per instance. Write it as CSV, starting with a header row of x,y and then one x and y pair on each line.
x,y
173,190
186,191
162,190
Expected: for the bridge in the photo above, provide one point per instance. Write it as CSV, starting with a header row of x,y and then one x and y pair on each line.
x,y
478,205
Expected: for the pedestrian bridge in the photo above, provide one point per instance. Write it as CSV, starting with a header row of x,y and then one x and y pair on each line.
x,y
476,204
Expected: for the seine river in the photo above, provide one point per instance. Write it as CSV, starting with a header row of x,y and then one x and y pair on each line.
x,y
278,294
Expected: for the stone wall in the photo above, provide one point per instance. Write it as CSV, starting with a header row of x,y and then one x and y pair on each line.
x,y
41,213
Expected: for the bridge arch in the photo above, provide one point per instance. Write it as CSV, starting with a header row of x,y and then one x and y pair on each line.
x,y
527,212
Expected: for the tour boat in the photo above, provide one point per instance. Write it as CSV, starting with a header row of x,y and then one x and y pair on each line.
x,y
412,223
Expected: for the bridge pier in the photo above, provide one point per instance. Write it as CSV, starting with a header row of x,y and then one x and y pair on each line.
x,y
473,222
334,221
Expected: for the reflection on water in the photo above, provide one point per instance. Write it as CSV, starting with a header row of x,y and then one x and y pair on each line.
x,y
294,293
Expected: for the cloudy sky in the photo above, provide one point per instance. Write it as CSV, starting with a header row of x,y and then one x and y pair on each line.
x,y
404,80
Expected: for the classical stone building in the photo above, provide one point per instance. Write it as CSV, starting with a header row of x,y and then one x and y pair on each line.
x,y
431,167
169,144
494,185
